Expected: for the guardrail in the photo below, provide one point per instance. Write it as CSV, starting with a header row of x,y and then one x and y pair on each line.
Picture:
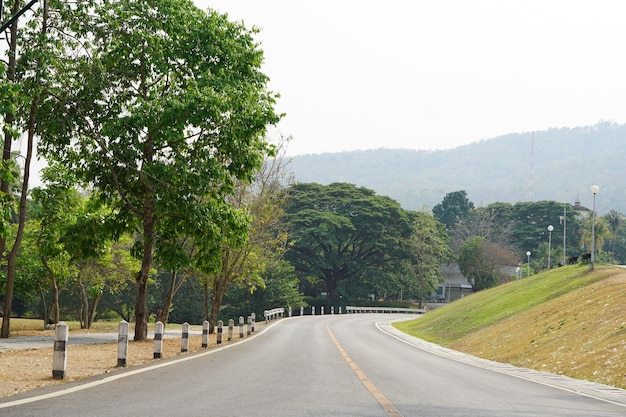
x,y
358,310
274,313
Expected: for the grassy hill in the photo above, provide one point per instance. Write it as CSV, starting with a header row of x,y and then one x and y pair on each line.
x,y
565,321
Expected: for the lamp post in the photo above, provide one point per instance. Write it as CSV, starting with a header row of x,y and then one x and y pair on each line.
x,y
528,264
594,190
550,229
563,219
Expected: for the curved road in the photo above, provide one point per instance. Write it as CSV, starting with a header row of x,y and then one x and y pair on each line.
x,y
324,366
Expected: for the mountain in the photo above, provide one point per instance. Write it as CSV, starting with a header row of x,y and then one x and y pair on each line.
x,y
556,164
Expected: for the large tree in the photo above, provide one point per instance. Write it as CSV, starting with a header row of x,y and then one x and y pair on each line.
x,y
341,231
453,209
162,108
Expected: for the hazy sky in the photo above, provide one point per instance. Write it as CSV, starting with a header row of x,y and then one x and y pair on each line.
x,y
436,74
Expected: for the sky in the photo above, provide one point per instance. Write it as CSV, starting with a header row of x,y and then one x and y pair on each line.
x,y
436,74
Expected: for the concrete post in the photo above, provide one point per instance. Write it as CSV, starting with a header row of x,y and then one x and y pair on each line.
x,y
302,311
241,327
158,340
205,334
332,310
289,311
231,327
253,316
122,343
249,325
185,339
312,310
339,309
322,310
59,357
220,325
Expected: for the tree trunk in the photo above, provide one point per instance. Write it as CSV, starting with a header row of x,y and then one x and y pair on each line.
x,y
167,304
9,118
141,304
94,307
53,316
218,294
84,303
44,308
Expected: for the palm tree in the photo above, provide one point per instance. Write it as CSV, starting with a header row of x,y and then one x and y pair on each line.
x,y
614,220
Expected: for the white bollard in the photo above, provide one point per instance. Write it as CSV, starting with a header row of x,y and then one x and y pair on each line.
x,y
184,346
205,334
302,311
253,317
312,310
220,325
322,310
158,340
122,343
59,357
332,310
289,311
339,309
231,326
249,325
241,327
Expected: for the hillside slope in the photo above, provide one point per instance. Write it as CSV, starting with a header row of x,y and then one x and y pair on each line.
x,y
564,321
556,165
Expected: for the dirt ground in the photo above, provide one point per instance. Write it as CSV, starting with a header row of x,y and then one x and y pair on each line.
x,y
25,370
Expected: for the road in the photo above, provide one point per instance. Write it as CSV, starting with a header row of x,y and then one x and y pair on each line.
x,y
324,366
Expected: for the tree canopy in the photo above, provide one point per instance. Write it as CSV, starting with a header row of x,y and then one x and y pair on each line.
x,y
162,109
341,231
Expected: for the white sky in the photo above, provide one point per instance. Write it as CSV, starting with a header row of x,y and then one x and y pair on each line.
x,y
436,74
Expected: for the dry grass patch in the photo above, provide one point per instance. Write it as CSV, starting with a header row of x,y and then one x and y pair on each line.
x,y
25,370
580,332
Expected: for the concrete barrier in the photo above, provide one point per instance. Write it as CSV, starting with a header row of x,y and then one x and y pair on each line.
x,y
358,310
59,358
205,334
122,343
158,340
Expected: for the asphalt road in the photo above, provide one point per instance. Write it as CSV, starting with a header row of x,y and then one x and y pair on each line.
x,y
324,366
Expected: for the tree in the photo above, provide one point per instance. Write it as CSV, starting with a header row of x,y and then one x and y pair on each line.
x,y
340,232
476,263
614,220
453,209
26,77
246,262
163,110
428,249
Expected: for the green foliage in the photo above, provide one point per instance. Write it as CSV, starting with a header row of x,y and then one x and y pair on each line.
x,y
453,209
341,232
476,264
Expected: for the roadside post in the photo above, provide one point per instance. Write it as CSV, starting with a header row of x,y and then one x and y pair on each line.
x,y
220,325
158,340
241,327
59,358
205,334
231,329
253,316
185,338
122,344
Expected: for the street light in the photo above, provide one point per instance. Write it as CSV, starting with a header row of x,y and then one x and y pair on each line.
x,y
528,264
550,229
594,190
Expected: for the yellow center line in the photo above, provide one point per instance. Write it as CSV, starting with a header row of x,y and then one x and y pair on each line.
x,y
382,399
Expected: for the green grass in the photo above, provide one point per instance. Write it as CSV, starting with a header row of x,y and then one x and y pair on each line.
x,y
566,321
486,308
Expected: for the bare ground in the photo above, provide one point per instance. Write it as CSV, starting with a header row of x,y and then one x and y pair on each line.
x,y
25,370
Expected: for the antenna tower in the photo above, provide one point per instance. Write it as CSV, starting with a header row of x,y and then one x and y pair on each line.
x,y
531,192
